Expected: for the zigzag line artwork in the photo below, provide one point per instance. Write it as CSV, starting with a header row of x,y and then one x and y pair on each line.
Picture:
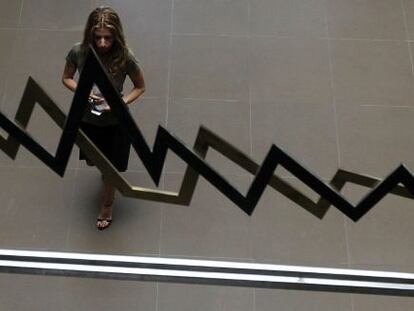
x,y
153,160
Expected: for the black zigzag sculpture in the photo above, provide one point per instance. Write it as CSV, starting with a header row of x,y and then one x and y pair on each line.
x,y
94,73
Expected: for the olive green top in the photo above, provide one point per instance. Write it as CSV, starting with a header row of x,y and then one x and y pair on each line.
x,y
107,117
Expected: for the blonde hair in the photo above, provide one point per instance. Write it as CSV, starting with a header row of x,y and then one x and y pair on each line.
x,y
106,17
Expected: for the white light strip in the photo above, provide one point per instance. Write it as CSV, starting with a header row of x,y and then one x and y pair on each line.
x,y
185,271
201,263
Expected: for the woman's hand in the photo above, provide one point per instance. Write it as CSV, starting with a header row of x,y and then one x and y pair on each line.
x,y
99,102
105,107
97,99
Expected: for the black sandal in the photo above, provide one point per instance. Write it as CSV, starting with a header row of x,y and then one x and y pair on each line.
x,y
108,220
108,223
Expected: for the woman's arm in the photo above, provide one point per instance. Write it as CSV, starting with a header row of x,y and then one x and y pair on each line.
x,y
137,79
68,81
67,76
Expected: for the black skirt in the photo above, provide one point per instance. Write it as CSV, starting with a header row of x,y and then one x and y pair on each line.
x,y
111,141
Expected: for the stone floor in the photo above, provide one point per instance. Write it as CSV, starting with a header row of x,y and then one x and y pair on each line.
x,y
329,81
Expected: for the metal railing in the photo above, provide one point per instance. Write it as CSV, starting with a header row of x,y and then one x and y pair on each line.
x,y
153,160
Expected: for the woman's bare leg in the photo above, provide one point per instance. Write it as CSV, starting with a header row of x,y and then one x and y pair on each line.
x,y
105,214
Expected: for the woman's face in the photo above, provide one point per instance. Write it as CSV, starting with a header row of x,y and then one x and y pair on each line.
x,y
103,39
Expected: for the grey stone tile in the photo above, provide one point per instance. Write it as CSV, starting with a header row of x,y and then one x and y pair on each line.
x,y
212,226
291,101
5,161
38,210
305,132
55,15
6,194
196,297
268,299
10,13
382,239
150,16
29,59
135,227
212,17
152,52
31,292
372,72
42,128
209,67
149,114
299,18
374,140
96,294
409,13
284,233
209,86
229,120
370,19
374,302
229,171
7,37
289,69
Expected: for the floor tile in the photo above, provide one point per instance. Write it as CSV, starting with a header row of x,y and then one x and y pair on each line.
x,y
212,226
212,17
213,298
135,227
381,19
297,18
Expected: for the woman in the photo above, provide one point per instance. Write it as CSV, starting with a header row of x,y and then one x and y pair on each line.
x,y
104,32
